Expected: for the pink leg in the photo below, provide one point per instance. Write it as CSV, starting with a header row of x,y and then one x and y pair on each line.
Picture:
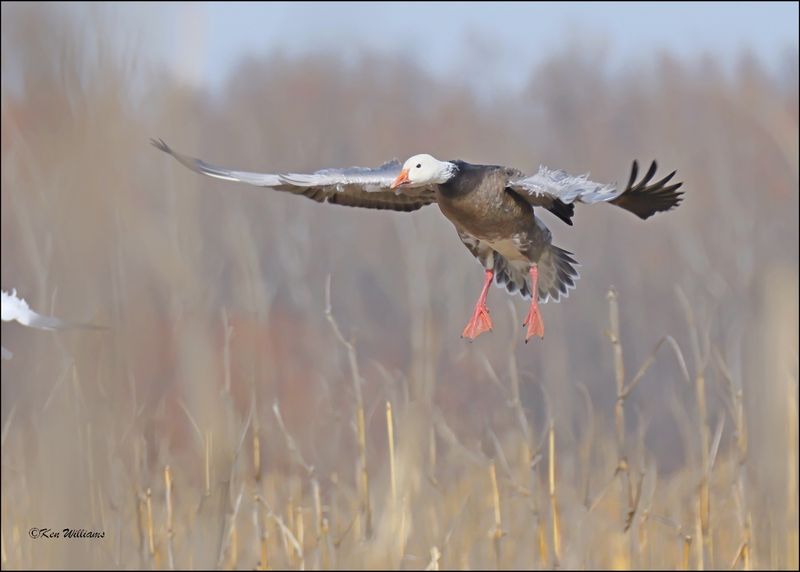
x,y
480,322
534,319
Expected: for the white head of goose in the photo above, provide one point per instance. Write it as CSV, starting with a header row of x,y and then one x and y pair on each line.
x,y
491,207
421,170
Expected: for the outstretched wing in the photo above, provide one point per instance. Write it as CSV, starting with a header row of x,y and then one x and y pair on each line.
x,y
14,308
354,187
557,191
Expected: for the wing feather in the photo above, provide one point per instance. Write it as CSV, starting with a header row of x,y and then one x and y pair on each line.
x,y
14,308
353,186
548,185
554,188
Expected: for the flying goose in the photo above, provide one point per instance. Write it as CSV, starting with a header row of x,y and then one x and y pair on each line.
x,y
492,208
13,308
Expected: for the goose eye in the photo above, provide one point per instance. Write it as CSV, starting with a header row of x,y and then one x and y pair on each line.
x,y
419,165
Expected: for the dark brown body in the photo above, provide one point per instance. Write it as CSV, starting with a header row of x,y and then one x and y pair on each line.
x,y
498,226
476,201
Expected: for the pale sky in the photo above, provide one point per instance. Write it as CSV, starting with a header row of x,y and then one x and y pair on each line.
x,y
502,40
492,47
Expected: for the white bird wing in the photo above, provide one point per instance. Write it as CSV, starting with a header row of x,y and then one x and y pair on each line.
x,y
548,184
14,308
354,186
6,354
557,191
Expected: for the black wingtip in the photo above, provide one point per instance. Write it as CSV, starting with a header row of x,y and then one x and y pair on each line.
x,y
646,198
651,172
160,145
634,174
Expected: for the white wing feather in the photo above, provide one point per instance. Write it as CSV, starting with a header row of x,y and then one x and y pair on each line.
x,y
200,166
353,186
559,184
371,180
15,308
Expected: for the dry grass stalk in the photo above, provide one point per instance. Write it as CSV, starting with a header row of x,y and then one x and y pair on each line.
x,y
434,561
207,463
793,544
291,444
263,563
228,545
735,406
256,450
504,464
587,440
315,494
637,496
169,523
496,533
390,436
516,400
542,543
685,539
300,529
619,368
233,548
290,516
326,545
289,539
624,391
151,546
619,408
227,330
447,434
687,549
141,525
740,555
198,434
361,470
262,534
704,547
552,489
514,403
15,540
432,453
363,481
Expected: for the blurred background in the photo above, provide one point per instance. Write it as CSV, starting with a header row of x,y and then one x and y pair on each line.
x,y
217,422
